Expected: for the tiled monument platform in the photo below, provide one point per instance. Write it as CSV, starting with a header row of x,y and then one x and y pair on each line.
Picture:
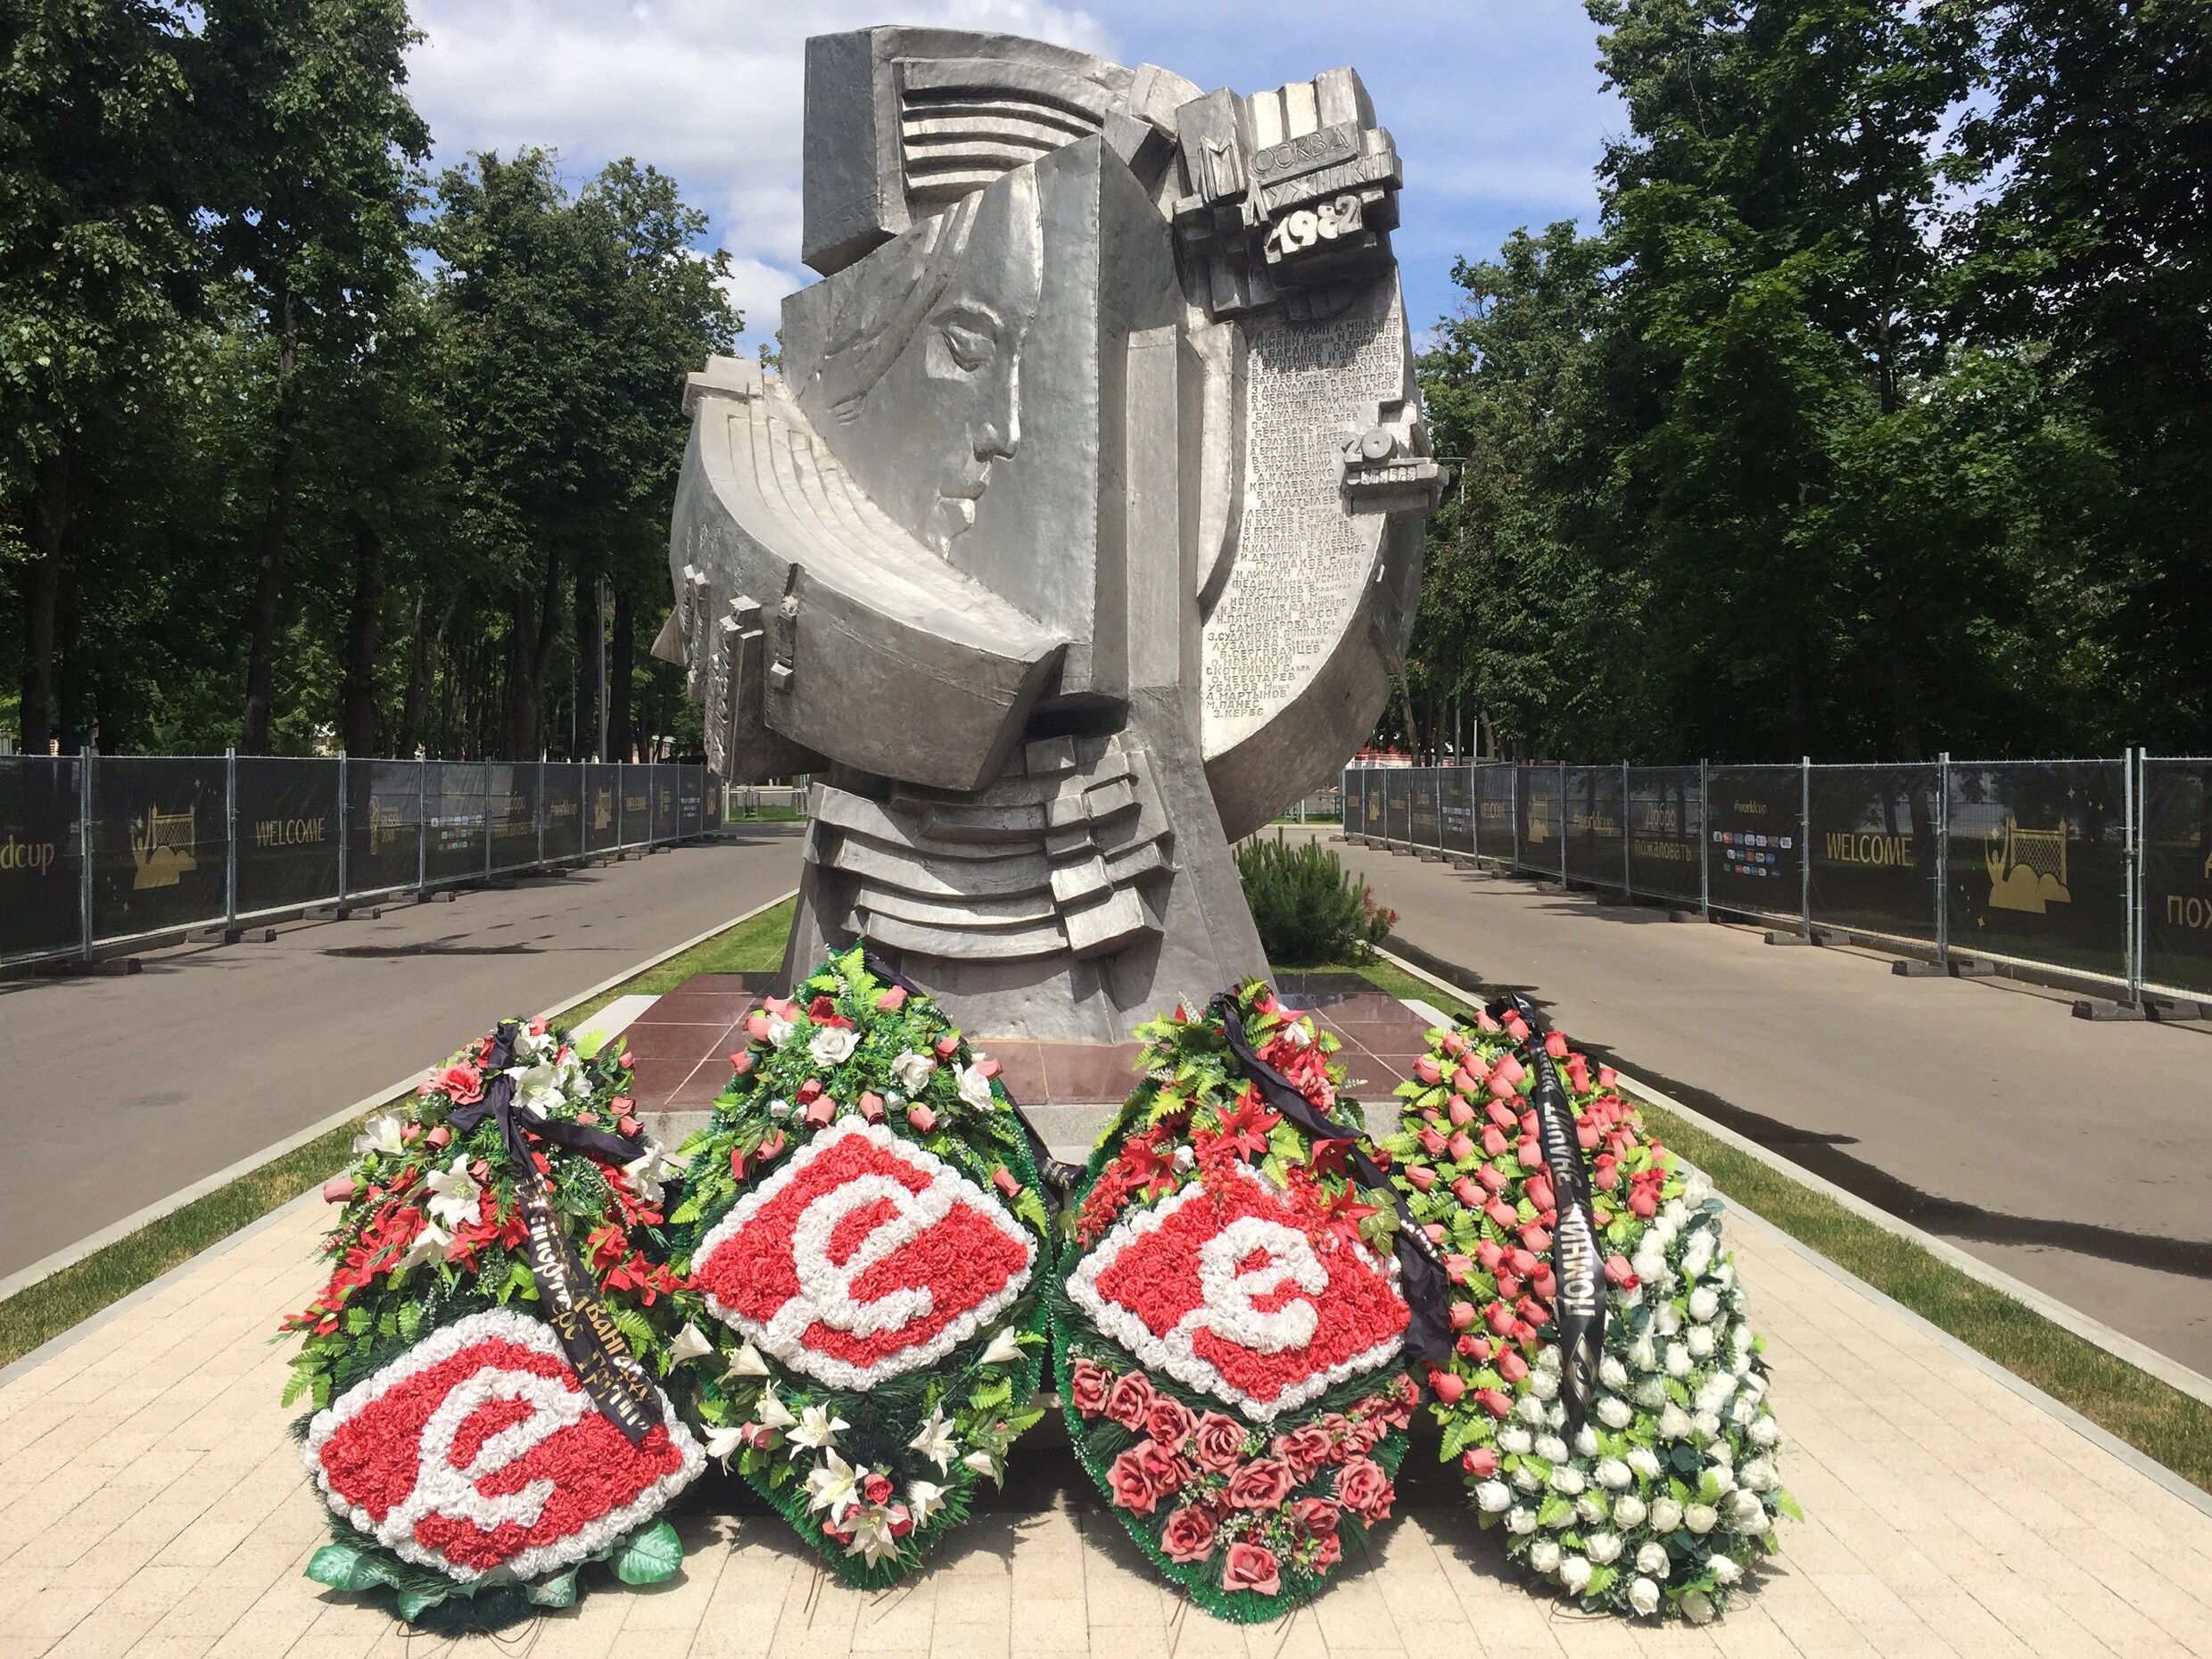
x,y
681,1046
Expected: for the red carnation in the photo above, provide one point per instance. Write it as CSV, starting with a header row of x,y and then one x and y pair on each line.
x,y
1189,1535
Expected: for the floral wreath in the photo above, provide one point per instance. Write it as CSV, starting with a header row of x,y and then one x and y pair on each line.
x,y
1665,1500
870,1463
1248,1514
431,1250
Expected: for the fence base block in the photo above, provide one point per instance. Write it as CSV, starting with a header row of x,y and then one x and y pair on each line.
x,y
100,968
1972,968
1913,967
1778,936
2100,1007
2172,1008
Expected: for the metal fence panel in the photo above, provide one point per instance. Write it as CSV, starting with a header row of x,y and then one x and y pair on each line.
x,y
1543,820
1375,803
1751,840
1594,820
1873,849
1458,825
2177,874
383,825
690,800
2038,863
1493,811
602,803
634,786
511,803
159,839
41,856
287,833
1421,827
562,809
1666,832
457,820
664,802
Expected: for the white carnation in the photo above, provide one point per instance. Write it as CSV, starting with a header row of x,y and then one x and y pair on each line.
x,y
1644,1597
1492,1497
1652,1559
1574,1573
1544,1556
1605,1548
1629,1511
1615,1413
1667,1514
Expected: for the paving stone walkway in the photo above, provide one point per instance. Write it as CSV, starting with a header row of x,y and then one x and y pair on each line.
x,y
151,1502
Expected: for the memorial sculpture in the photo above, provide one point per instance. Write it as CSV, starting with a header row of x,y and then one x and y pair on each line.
x,y
1079,529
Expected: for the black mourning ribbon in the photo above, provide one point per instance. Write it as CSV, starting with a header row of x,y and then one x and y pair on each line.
x,y
1420,1271
1059,1179
1579,1304
610,1372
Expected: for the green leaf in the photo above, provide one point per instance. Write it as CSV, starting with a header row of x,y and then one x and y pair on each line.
x,y
345,1567
557,1592
414,1604
650,1555
1787,1504
1600,1577
1555,1508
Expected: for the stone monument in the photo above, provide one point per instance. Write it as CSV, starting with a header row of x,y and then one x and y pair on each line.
x,y
1080,530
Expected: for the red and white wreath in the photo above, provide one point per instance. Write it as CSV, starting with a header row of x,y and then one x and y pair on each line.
x,y
478,1448
864,1257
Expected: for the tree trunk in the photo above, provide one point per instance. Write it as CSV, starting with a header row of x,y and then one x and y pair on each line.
x,y
591,627
76,722
359,722
269,588
46,529
1405,704
621,659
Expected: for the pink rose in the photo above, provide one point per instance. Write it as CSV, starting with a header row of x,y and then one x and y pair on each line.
x,y
1462,1114
1479,1461
877,1488
892,999
1494,1401
1217,1443
740,1062
1170,1422
1129,1482
1251,1567
462,1085
1317,1516
1619,1272
1129,1402
1190,1534
338,1189
1087,1386
1167,1472
1421,1176
1262,1483
1427,1070
922,1118
1556,1045
1362,1488
1305,1447
1447,1386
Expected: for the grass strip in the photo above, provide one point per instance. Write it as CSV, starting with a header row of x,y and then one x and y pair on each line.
x,y
2159,1421
40,1312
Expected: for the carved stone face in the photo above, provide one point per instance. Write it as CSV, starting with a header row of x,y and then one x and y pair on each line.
x,y
924,365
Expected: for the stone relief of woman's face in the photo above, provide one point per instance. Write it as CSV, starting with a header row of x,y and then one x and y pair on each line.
x,y
948,407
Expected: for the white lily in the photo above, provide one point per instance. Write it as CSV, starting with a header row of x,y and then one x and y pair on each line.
x,y
650,1168
724,1443
527,1048
833,1484
871,1537
1004,1349
428,1245
691,1344
924,1498
382,1134
935,1441
747,1362
538,1088
982,1463
818,1430
456,1193
772,1413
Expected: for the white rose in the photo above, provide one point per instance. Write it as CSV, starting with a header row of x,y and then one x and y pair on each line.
x,y
1492,1497
1521,1521
1574,1573
1651,1559
1725,1273
1697,1606
1678,1363
1757,1475
1515,1440
1531,1410
1605,1548
1551,1449
1586,1441
1544,1556
1547,1359
1610,1371
1765,1432
1704,1302
779,1031
1650,1393
912,1070
1701,1518
1673,1423
1527,1479
1700,1341
1567,1479
1644,1354
1743,1411
1644,1461
1666,1319
1615,1413
1696,1190
1613,1474
1750,1515
1650,1266
1676,1215
1629,1511
1644,1597
1722,1454
1724,1570
975,1088
1589,1509
1714,1391
1544,1384
833,1045
1667,1514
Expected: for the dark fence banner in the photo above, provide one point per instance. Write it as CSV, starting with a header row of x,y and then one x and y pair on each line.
x,y
1595,817
287,833
1374,803
1423,828
1458,809
691,799
1664,830
2176,874
1494,811
159,838
455,833
1751,839
2038,862
41,871
602,805
635,785
664,802
513,804
1542,819
383,820
1873,836
564,812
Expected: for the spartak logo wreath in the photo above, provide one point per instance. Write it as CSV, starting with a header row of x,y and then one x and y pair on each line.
x,y
472,1458
865,1222
1664,1500
1230,1324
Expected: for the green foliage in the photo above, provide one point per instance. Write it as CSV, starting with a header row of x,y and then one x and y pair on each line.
x,y
1308,907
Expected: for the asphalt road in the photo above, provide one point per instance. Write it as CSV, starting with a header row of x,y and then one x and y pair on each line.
x,y
120,1091
2075,1156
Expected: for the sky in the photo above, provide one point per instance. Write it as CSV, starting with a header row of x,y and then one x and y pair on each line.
x,y
1498,109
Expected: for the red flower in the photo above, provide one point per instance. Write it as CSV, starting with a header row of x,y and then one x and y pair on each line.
x,y
1426,1069
1170,1422
462,1085
892,999
1245,1123
1189,1535
1362,1488
1087,1384
1405,1396
1129,1401
1305,1447
876,1488
1447,1386
822,1009
1128,1485
1619,1272
1262,1483
1317,1516
1479,1461
1251,1567
1219,1442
